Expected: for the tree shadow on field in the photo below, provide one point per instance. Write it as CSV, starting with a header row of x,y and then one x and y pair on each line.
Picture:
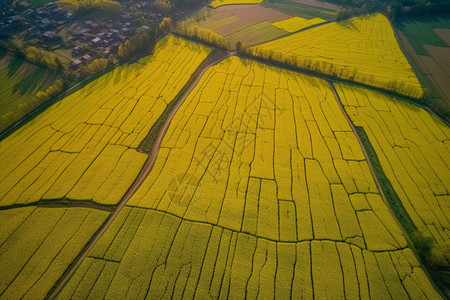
x,y
2,53
14,65
29,83
348,24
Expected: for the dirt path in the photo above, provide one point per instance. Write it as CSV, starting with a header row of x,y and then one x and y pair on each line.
x,y
145,171
379,187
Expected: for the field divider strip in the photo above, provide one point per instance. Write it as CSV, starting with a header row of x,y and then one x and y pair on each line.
x,y
381,191
145,171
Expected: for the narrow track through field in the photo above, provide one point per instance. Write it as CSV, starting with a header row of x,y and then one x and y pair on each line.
x,y
145,171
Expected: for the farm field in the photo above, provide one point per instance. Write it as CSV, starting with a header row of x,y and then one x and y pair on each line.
x,y
361,49
248,24
297,23
260,189
413,148
308,9
38,244
427,41
96,130
217,3
20,81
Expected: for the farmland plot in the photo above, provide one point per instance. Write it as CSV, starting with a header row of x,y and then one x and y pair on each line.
x,y
297,23
363,49
260,189
37,245
413,148
248,24
21,80
84,147
217,3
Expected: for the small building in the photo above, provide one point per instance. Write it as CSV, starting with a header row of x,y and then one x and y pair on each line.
x,y
87,58
96,41
51,37
78,50
76,63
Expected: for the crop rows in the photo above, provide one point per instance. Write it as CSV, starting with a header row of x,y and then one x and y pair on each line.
x,y
260,188
38,244
96,130
413,148
297,23
163,256
363,49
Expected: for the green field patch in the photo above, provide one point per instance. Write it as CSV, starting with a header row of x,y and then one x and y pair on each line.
x,y
301,10
20,82
420,31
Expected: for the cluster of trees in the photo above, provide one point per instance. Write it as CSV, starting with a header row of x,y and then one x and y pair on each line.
x,y
50,92
42,57
165,24
84,5
95,66
141,39
164,5
31,103
392,8
204,35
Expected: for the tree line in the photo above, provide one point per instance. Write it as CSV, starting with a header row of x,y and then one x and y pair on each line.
x,y
335,70
204,35
80,6
392,8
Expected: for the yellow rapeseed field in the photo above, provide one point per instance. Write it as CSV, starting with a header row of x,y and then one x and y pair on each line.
x,y
217,3
84,147
363,49
413,148
296,23
260,189
37,245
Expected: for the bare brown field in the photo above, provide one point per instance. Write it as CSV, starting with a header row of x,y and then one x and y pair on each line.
x,y
249,24
243,17
433,67
441,55
444,33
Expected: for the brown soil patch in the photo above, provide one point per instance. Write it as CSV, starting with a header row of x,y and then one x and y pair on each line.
x,y
444,33
239,17
441,55
435,66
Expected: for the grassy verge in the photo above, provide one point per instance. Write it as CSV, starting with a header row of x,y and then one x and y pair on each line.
x,y
423,244
388,190
147,144
420,31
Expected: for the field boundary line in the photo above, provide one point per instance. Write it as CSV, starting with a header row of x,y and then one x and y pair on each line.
x,y
143,174
381,191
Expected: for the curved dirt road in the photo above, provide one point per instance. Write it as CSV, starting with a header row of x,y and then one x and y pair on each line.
x,y
145,171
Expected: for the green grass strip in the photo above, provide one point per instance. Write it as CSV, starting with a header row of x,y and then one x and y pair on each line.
x,y
388,190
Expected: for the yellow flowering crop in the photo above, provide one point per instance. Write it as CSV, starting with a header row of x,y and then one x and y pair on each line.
x,y
363,49
296,23
259,190
412,147
84,147
38,244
